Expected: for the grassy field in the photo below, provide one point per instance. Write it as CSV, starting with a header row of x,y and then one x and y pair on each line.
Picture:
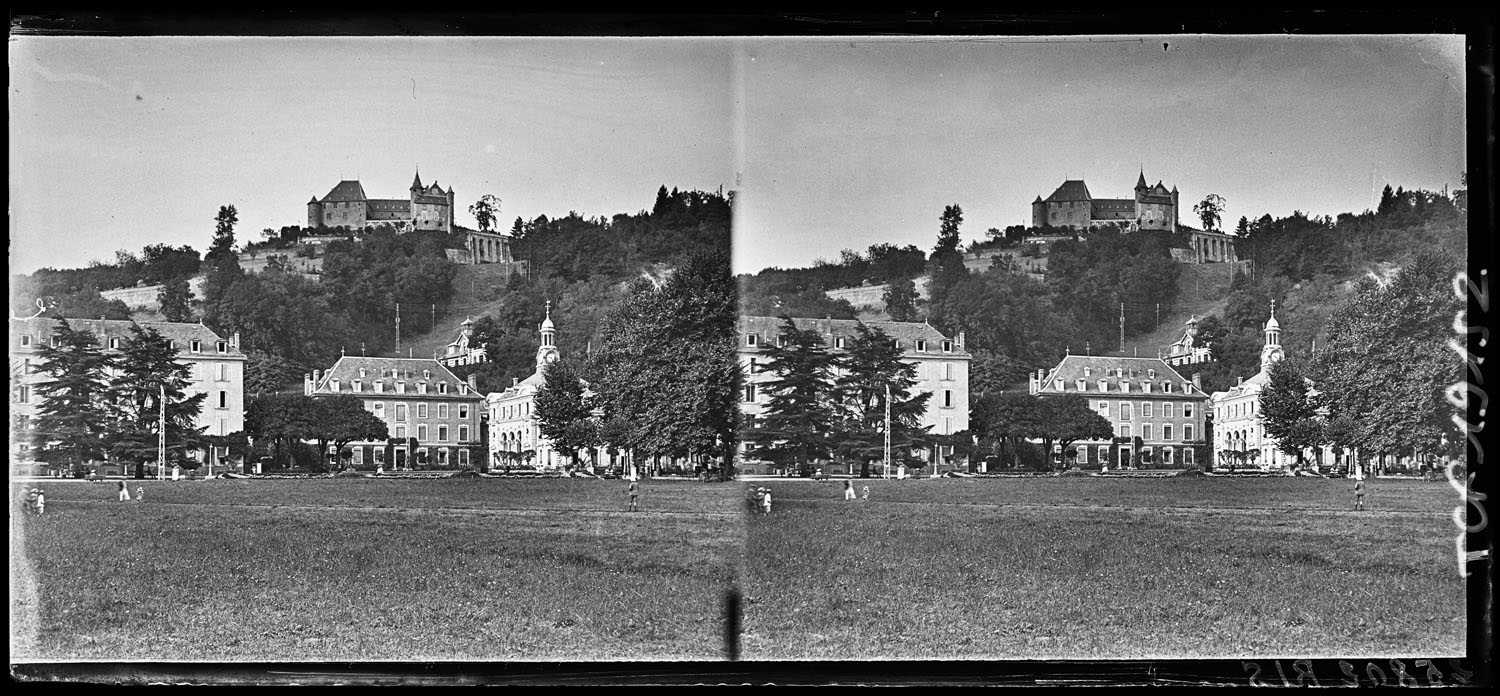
x,y
341,570
1087,568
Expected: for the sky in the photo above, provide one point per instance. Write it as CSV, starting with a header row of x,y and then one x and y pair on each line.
x,y
121,142
829,143
851,143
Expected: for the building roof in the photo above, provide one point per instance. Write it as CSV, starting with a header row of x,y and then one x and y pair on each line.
x,y
1114,370
906,332
346,191
182,333
1071,190
393,205
394,370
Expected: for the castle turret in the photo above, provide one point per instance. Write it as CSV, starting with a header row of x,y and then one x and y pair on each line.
x,y
1140,183
448,221
1172,225
314,213
1038,212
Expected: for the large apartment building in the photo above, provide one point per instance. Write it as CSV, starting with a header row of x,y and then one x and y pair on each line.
x,y
217,369
433,417
941,361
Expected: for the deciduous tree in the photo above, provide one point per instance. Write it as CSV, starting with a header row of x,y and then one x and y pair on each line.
x,y
1210,210
563,414
1288,411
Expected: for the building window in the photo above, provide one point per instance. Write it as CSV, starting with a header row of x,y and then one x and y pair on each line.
x,y
1057,384
23,394
1151,374
1083,385
463,458
1103,386
921,344
400,413
356,385
895,343
421,387
442,433
1125,430
1187,410
947,398
380,410
750,339
379,387
1145,387
224,373
463,433
194,346
463,411
947,346
333,385
749,393
1124,410
223,399
1145,431
401,387
1103,453
442,387
1187,457
421,410
1166,410
223,346
838,342
442,410
1146,409
1104,408
114,343
401,433
1187,432
1166,432
421,432
1166,387
780,340
25,340
223,424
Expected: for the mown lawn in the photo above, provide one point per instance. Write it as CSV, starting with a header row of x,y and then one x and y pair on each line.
x,y
1086,568
356,570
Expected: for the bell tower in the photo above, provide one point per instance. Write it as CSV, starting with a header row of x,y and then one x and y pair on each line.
x,y
546,353
1271,352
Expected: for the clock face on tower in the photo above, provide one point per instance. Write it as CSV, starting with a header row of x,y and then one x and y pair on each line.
x,y
546,355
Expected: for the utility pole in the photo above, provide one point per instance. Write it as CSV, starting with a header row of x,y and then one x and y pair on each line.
x,y
398,329
161,434
432,326
887,431
1122,328
1158,314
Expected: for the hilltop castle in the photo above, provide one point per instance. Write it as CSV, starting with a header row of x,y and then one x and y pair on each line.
x,y
1153,208
426,208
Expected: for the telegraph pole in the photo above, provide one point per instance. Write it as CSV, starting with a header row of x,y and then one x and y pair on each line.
x,y
161,434
398,329
887,431
1122,328
433,325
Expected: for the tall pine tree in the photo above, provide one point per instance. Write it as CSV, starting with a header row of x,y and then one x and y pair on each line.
x,y
148,368
74,423
872,364
799,418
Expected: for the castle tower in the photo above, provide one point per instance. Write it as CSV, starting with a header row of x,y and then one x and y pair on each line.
x,y
448,218
546,353
1175,210
1038,213
314,213
1271,352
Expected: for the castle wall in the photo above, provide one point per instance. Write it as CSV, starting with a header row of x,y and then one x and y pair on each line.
x,y
346,213
1075,214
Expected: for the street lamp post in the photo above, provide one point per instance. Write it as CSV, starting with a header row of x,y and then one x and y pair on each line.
x,y
887,431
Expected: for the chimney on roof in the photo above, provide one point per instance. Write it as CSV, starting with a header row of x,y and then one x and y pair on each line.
x,y
515,381
1198,381
474,382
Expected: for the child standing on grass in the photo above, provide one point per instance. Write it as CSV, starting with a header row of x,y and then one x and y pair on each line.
x,y
124,492
866,492
140,493
765,500
848,489
1359,493
634,492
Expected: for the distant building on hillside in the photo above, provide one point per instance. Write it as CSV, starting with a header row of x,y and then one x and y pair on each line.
x,y
346,205
1158,415
942,366
433,416
1071,205
217,368
1188,350
462,350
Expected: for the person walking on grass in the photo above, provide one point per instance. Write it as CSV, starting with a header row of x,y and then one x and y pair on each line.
x,y
140,493
765,501
866,492
1359,493
124,492
848,489
634,490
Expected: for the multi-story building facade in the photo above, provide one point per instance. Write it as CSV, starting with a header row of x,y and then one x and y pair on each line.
x,y
942,365
217,369
433,418
1158,416
463,350
514,430
1240,437
425,208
